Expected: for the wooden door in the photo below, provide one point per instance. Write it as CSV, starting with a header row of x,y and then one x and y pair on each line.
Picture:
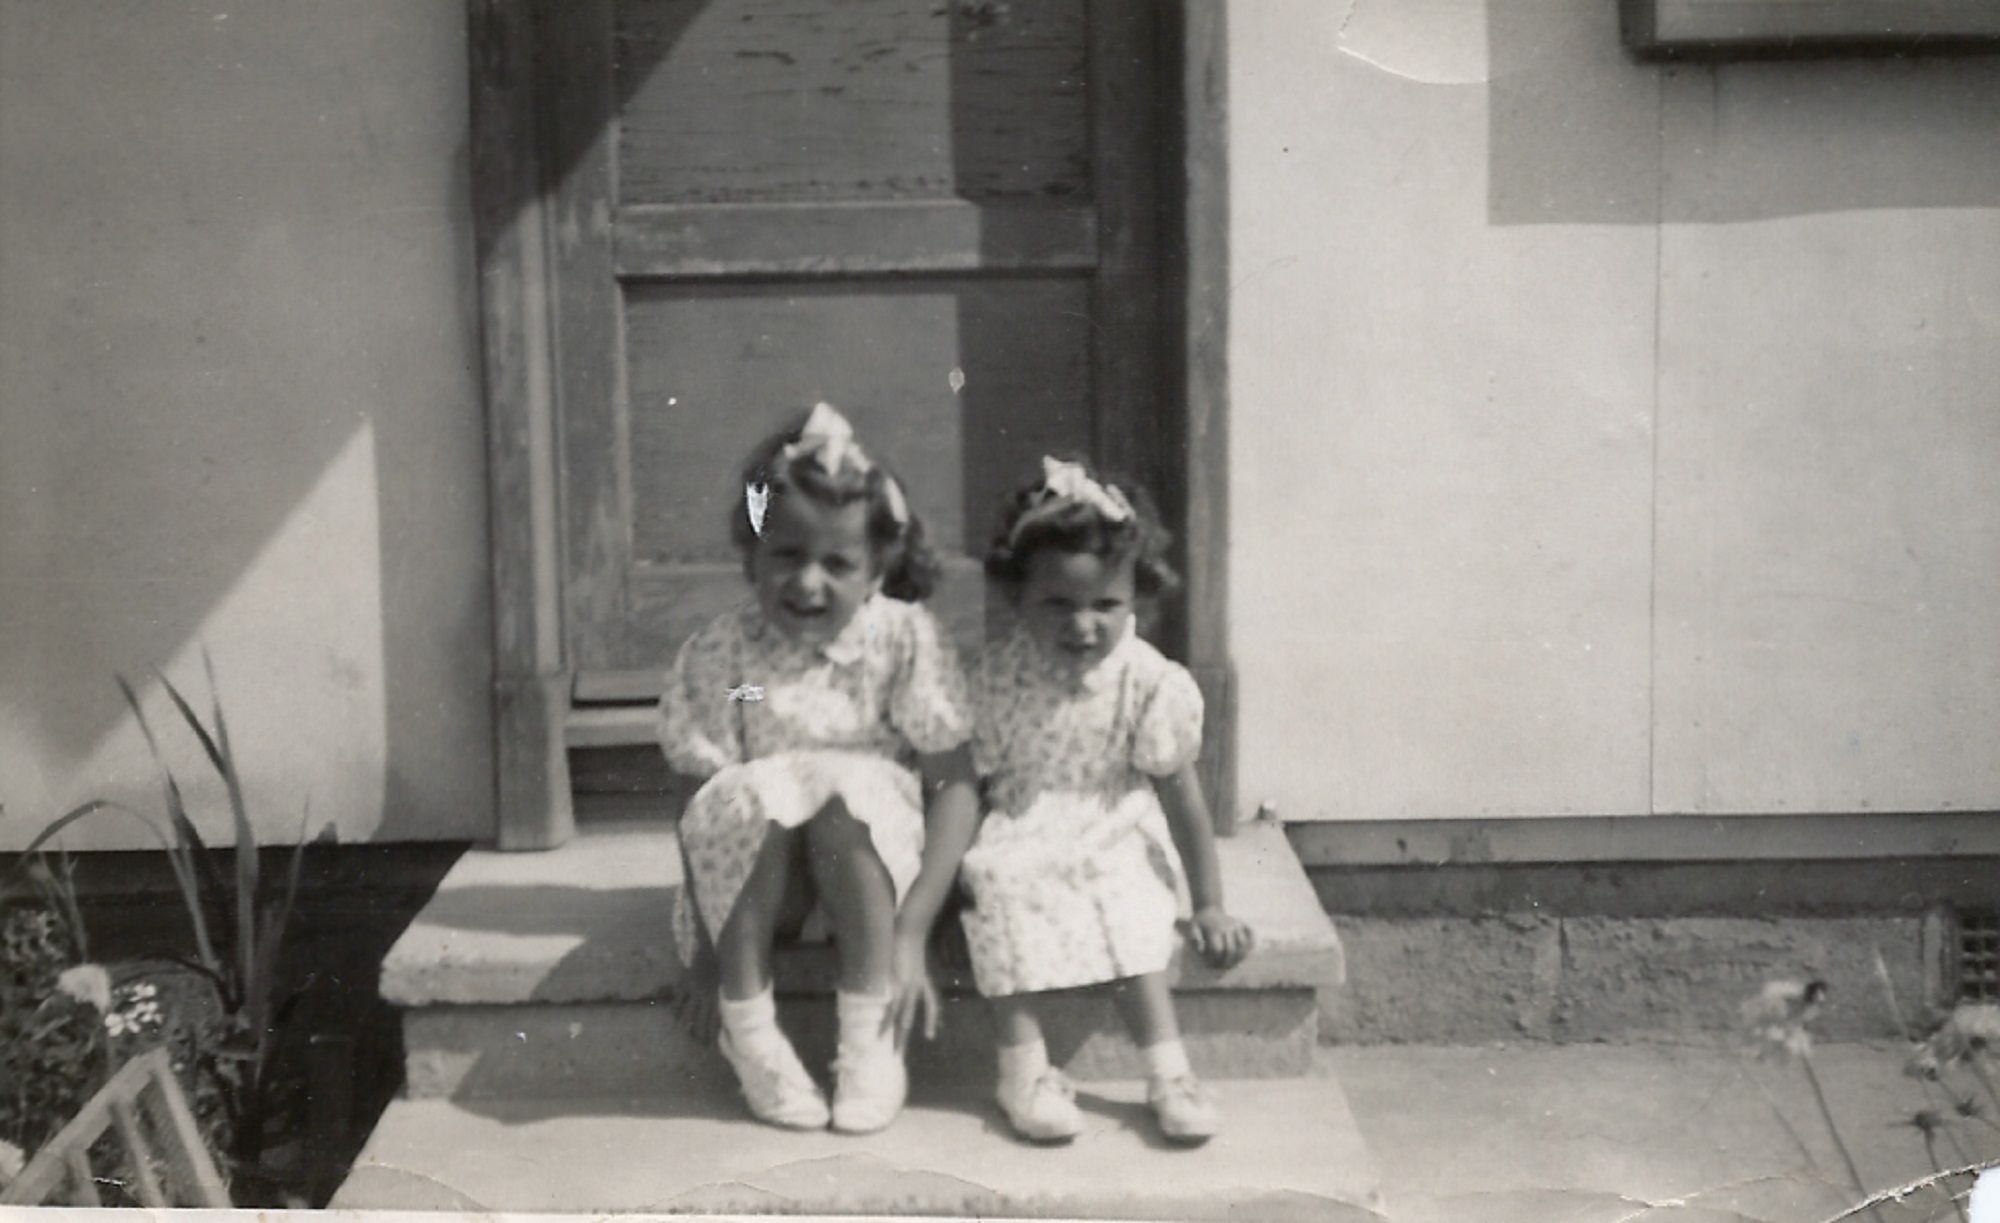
x,y
939,215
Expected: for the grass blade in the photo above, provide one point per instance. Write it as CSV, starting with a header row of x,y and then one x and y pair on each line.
x,y
188,894
246,836
194,870
90,808
208,743
211,878
279,917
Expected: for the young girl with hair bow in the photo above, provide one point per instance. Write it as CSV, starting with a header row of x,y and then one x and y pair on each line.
x,y
1085,738
822,714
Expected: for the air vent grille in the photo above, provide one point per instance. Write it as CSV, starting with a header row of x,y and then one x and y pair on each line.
x,y
1979,957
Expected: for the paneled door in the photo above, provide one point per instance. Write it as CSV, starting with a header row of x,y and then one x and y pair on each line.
x,y
939,215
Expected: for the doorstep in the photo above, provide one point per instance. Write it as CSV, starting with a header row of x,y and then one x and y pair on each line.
x,y
1289,1150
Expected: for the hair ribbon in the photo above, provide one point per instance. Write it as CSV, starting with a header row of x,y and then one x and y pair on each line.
x,y
827,441
1067,484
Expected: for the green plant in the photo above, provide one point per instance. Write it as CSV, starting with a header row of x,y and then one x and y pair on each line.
x,y
237,918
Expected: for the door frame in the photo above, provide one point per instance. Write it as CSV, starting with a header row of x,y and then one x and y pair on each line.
x,y
537,151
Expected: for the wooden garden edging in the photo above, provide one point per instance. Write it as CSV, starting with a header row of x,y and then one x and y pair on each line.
x,y
143,1091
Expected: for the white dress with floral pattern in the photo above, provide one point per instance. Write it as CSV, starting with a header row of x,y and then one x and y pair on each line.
x,y
780,728
1073,877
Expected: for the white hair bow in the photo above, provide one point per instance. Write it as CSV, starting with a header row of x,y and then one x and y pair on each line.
x,y
1066,484
827,440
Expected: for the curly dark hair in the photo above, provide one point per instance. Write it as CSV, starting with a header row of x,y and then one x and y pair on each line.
x,y
1082,528
908,567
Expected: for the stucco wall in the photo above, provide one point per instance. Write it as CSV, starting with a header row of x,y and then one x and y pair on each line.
x,y
1607,438
241,408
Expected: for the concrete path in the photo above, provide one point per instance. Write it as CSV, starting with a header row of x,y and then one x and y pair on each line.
x,y
1596,1133
1512,1134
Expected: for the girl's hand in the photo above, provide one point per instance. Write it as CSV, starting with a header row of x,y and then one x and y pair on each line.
x,y
1222,939
695,1006
911,992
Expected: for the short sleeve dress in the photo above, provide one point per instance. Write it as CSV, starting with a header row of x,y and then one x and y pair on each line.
x,y
1073,877
780,728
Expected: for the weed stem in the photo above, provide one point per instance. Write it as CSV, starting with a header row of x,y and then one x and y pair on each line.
x,y
1839,1143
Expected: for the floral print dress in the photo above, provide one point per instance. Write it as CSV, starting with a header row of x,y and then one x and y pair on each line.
x,y
1073,877
780,728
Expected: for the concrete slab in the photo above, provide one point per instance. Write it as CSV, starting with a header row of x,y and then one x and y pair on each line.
x,y
1581,1133
637,1048
543,974
1267,887
591,922
588,921
1291,1151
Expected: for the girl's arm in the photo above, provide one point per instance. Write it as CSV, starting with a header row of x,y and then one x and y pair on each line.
x,y
951,819
1217,935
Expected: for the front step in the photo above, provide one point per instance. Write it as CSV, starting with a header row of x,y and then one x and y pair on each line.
x,y
1289,1150
549,974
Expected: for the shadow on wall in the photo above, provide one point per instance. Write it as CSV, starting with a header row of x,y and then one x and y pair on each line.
x,y
1579,133
239,302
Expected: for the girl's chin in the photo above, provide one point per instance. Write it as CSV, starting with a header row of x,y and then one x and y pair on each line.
x,y
816,628
1074,661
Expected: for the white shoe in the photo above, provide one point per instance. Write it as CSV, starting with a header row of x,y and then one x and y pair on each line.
x,y
1186,1111
775,1084
869,1087
1042,1109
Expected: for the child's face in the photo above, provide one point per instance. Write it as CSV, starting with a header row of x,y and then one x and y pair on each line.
x,y
813,567
1077,605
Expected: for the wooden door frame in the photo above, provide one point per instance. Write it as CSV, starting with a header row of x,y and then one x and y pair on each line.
x,y
526,145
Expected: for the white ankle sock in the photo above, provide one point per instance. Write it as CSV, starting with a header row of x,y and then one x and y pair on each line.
x,y
753,1019
1023,1063
1167,1060
860,1018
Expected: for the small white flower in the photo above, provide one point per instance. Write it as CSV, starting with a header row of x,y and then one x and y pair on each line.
x,y
87,983
145,989
1777,1019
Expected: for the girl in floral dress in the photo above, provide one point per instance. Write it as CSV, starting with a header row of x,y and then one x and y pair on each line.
x,y
1085,737
821,714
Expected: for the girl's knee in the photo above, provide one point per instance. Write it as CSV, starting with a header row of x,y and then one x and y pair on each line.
x,y
842,855
833,834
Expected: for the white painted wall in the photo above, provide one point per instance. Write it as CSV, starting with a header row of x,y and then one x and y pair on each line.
x,y
1607,439
240,409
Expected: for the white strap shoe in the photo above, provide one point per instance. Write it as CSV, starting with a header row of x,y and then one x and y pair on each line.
x,y
1042,1109
775,1084
869,1087
1186,1111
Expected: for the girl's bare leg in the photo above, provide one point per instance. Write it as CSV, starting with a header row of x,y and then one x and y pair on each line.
x,y
1147,1007
1015,1021
870,1082
1038,1101
859,898
1186,1111
743,948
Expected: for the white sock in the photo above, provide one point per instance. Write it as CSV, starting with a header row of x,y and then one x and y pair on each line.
x,y
751,1020
860,1018
1023,1063
1167,1060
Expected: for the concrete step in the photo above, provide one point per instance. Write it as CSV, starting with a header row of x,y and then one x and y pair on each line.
x,y
1289,1150
551,973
